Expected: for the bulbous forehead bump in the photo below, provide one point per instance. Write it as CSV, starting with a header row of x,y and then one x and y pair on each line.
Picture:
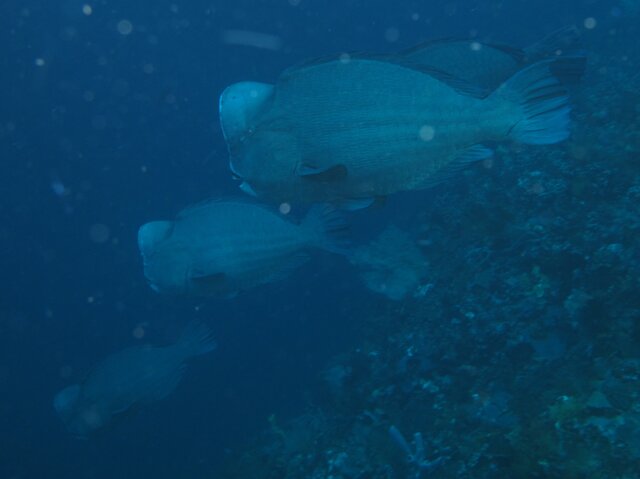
x,y
238,105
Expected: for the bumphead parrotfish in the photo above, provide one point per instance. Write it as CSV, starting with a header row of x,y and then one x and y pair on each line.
x,y
347,130
221,247
128,378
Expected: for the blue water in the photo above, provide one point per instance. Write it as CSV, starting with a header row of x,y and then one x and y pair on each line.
x,y
103,129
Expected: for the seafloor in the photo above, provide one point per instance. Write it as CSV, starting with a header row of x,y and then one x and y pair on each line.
x,y
523,358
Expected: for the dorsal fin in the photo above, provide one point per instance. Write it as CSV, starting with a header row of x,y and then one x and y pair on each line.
x,y
459,85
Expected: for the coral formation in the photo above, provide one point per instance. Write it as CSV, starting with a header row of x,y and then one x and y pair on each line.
x,y
523,360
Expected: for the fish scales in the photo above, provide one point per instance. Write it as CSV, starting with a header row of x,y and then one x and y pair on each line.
x,y
222,247
346,132
371,133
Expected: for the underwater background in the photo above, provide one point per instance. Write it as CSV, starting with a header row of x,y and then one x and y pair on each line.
x,y
518,357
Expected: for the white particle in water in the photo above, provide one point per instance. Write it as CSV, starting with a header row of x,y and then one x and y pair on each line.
x,y
345,58
285,208
125,27
427,133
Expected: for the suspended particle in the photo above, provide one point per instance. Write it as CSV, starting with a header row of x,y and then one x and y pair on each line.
x,y
124,27
284,208
426,133
87,10
39,62
590,23
138,332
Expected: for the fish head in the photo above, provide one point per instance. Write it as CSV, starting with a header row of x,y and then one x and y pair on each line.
x,y
65,401
165,259
78,417
88,419
239,105
261,152
266,165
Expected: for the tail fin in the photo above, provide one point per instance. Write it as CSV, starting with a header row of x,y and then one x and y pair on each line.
x,y
196,339
328,227
544,105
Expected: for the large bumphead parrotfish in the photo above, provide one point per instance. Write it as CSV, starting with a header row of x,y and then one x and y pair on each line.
x,y
128,378
347,130
222,247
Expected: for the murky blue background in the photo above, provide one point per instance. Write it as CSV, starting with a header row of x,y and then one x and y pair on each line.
x,y
103,129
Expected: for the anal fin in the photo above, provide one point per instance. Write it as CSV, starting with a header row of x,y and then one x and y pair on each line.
x,y
470,155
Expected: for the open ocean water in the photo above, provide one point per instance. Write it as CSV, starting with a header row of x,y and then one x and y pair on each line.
x,y
512,349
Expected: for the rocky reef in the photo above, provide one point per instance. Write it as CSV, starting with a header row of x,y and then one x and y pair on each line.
x,y
523,358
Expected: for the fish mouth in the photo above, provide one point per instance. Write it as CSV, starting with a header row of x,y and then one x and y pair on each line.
x,y
234,172
244,185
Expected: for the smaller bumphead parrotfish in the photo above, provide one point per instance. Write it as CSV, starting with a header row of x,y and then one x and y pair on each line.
x,y
222,247
128,378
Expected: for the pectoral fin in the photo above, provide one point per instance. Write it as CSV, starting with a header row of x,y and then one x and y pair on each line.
x,y
354,204
322,174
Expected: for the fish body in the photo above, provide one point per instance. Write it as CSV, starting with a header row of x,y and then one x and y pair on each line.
x,y
483,64
223,247
341,130
131,377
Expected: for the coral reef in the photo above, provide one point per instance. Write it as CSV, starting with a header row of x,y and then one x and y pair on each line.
x,y
391,265
523,360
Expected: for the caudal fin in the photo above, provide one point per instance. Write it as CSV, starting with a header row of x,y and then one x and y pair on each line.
x,y
543,103
328,228
196,339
